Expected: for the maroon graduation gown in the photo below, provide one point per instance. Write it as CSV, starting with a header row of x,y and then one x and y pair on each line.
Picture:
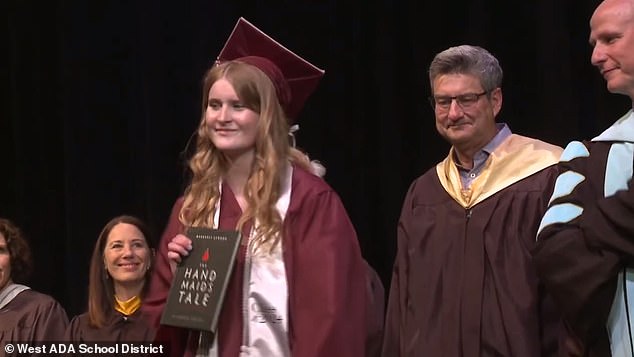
x,y
325,273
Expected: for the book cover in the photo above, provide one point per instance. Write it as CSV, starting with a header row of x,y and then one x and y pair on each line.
x,y
201,279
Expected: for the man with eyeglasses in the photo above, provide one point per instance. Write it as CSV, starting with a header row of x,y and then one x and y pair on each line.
x,y
463,282
585,251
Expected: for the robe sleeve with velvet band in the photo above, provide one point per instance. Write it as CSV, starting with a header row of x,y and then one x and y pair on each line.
x,y
609,224
463,282
586,239
30,317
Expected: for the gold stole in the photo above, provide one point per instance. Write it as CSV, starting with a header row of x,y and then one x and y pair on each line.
x,y
514,159
127,307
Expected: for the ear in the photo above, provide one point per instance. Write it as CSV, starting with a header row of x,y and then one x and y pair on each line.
x,y
105,265
496,101
106,273
151,260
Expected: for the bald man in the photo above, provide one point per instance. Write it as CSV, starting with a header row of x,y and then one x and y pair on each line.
x,y
585,251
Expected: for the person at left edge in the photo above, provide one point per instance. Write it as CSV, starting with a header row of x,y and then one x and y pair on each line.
x,y
299,251
25,314
119,269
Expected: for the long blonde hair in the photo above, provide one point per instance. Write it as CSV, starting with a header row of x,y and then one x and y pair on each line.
x,y
272,153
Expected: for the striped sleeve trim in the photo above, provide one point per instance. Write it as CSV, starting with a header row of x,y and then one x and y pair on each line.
x,y
574,150
565,184
560,213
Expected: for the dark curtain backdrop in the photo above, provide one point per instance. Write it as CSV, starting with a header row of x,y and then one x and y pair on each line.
x,y
103,96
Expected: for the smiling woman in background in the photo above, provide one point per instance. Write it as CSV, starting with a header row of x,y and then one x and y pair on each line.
x,y
119,266
25,315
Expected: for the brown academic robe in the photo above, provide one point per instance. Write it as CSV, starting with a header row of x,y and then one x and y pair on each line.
x,y
32,316
579,260
463,282
118,328
325,272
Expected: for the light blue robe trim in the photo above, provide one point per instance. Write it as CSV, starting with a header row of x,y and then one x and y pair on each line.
x,y
573,150
629,285
621,319
561,213
617,171
565,183
621,130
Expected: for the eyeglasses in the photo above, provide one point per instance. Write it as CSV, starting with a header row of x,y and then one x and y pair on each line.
x,y
465,101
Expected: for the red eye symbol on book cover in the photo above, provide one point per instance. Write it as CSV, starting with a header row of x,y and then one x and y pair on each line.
x,y
206,256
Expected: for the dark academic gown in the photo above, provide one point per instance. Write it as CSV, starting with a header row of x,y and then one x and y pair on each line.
x,y
325,272
463,283
581,251
118,328
32,316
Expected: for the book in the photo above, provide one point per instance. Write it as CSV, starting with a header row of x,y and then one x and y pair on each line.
x,y
195,298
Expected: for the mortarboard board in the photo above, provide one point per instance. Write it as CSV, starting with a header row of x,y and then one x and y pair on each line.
x,y
294,78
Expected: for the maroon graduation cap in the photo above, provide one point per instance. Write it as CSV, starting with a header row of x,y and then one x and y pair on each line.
x,y
294,78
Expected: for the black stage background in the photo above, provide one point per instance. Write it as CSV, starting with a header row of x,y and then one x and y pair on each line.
x,y
103,96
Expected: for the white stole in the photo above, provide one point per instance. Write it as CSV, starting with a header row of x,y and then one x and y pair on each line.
x,y
264,294
10,292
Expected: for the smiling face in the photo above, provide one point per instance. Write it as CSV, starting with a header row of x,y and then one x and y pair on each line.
x,y
231,125
612,36
471,127
5,263
126,255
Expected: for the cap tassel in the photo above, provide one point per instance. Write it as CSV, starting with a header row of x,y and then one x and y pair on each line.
x,y
291,133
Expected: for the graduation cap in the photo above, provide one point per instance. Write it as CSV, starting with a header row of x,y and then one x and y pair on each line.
x,y
294,78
